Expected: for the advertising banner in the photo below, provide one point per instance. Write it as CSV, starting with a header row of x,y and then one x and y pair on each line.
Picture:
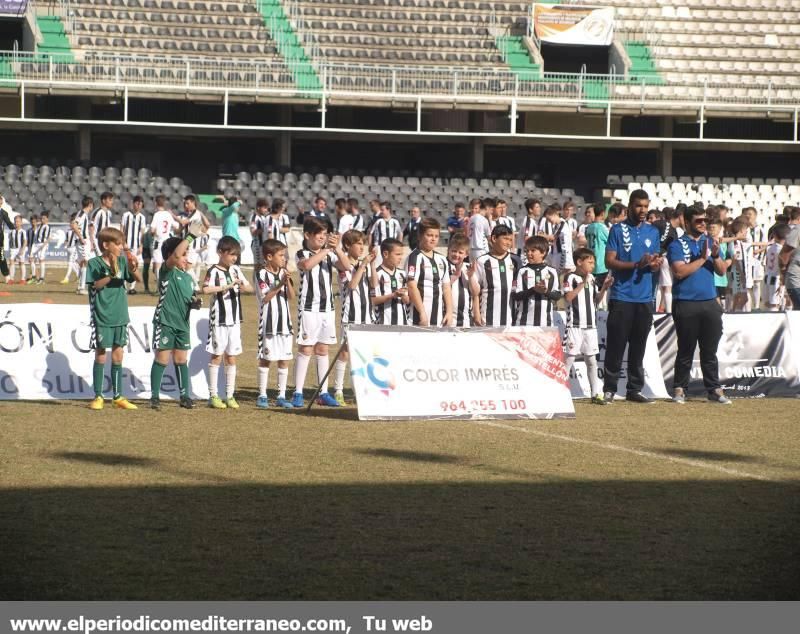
x,y
570,24
408,372
755,355
13,7
653,377
44,354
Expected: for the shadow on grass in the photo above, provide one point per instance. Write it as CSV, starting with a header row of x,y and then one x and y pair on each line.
x,y
716,539
414,456
720,456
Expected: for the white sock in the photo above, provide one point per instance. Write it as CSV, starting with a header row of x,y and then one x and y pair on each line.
x,y
24,277
300,371
591,370
756,295
133,286
569,362
13,270
42,270
263,380
338,383
283,379
33,269
323,363
82,278
667,299
213,379
230,380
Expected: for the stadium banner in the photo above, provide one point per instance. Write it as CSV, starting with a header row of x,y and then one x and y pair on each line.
x,y
570,24
402,373
44,354
793,325
654,386
13,7
755,355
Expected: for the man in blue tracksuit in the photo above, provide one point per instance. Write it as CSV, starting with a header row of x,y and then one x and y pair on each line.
x,y
633,258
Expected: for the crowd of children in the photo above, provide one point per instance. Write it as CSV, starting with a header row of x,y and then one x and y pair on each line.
x,y
498,272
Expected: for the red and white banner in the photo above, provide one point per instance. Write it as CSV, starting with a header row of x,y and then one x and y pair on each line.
x,y
408,372
45,354
570,24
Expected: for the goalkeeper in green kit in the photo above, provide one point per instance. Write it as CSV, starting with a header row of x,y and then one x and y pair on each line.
x,y
171,329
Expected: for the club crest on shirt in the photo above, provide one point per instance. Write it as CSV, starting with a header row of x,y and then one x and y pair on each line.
x,y
648,242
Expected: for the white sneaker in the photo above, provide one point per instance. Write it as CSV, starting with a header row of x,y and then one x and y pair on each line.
x,y
717,396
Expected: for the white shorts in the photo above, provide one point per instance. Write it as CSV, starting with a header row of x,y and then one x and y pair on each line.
x,y
773,291
275,348
316,328
665,279
156,256
581,341
224,340
85,252
757,270
38,252
17,255
72,254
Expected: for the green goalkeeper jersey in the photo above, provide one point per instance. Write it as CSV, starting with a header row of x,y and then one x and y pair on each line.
x,y
175,290
108,305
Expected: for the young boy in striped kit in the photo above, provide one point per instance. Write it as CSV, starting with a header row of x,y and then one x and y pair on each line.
x,y
41,238
133,226
18,246
495,277
274,321
72,253
84,242
464,294
390,293
322,253
225,281
537,289
356,305
582,296
428,278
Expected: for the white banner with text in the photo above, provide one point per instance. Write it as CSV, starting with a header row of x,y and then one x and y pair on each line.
x,y
45,354
408,372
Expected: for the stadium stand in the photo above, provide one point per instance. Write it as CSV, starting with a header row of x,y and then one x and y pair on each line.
x,y
436,196
59,188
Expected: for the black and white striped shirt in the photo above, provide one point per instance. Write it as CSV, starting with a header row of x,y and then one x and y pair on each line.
x,y
82,220
430,274
133,226
71,239
316,290
101,218
384,229
275,315
507,221
226,307
350,222
356,304
30,236
17,239
496,277
530,226
538,309
462,298
257,222
273,226
42,235
393,312
581,311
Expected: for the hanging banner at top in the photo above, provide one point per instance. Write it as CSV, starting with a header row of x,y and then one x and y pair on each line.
x,y
13,7
567,24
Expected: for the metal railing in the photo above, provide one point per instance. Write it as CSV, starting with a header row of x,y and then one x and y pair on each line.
x,y
378,82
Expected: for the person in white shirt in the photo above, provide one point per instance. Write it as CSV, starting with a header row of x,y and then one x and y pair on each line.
x,y
161,227
478,231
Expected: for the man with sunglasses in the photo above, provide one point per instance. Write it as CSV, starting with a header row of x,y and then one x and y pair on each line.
x,y
694,258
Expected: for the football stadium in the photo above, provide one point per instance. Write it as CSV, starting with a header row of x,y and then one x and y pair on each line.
x,y
404,300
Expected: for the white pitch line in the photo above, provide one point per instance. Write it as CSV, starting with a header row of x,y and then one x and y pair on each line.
x,y
636,452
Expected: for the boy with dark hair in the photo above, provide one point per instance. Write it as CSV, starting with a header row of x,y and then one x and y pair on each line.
x,y
258,233
596,239
385,227
277,224
72,253
671,229
171,337
85,244
108,302
460,276
101,218
428,280
494,279
390,294
536,287
322,253
225,280
274,322
530,225
352,219
133,226
161,227
582,295
354,286
30,239
741,269
478,230
560,256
